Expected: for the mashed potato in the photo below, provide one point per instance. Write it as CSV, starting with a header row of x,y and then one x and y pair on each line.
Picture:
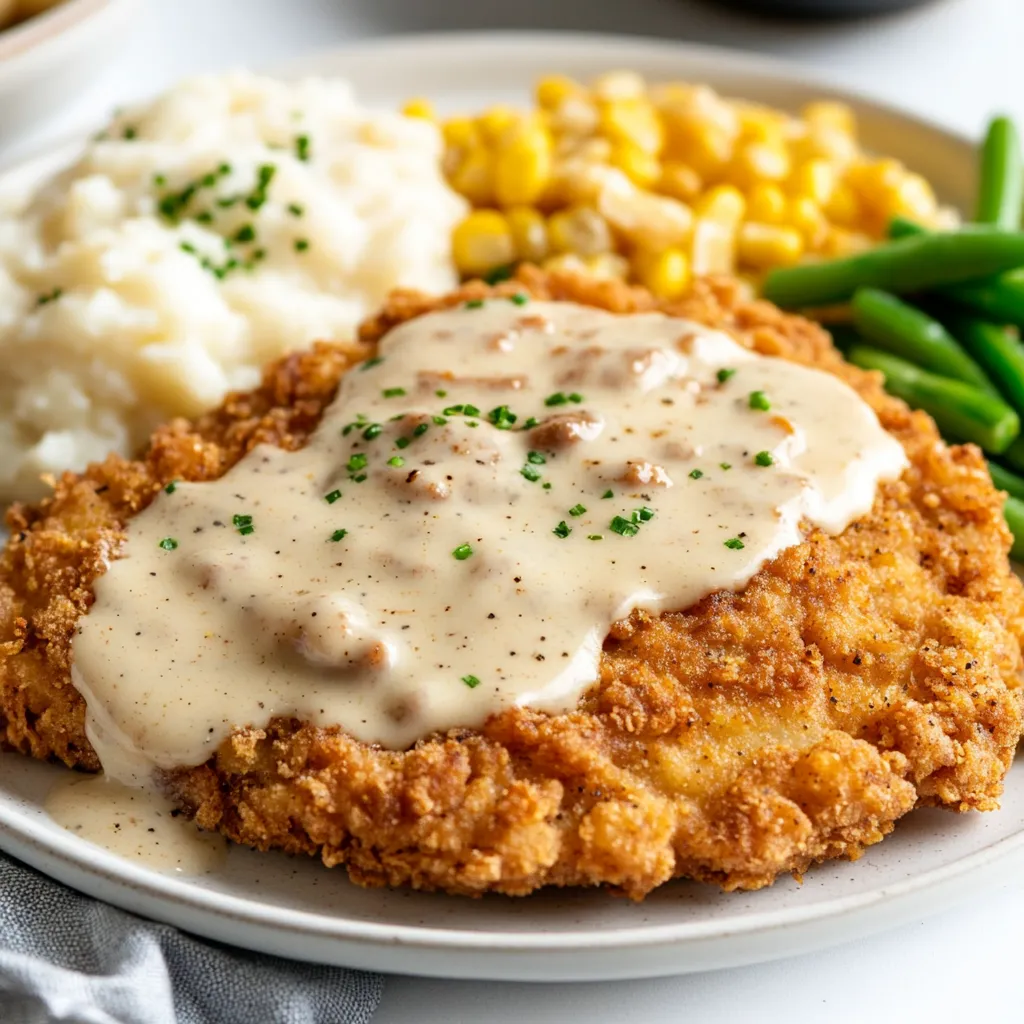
x,y
194,240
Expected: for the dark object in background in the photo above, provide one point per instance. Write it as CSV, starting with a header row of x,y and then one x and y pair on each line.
x,y
821,8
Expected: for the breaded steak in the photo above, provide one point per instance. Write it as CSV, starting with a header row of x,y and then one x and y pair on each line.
x,y
755,733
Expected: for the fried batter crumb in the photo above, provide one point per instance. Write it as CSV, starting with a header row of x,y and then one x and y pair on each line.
x,y
756,733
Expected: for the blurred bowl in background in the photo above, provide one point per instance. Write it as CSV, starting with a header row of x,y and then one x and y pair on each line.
x,y
47,59
822,8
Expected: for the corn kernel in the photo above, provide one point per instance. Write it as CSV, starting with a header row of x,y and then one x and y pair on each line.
x,y
914,198
643,218
760,124
420,107
494,122
575,115
723,203
759,161
843,206
565,262
581,230
713,248
766,203
805,215
553,89
665,274
827,143
840,242
829,115
482,242
474,177
640,167
529,233
460,132
768,245
706,147
608,266
680,181
815,179
618,85
522,166
634,123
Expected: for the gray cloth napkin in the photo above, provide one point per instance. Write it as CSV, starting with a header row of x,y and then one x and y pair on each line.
x,y
67,958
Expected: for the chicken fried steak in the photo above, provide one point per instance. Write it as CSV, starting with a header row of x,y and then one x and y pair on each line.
x,y
854,677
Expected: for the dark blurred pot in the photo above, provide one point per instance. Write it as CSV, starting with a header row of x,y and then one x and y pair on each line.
x,y
822,8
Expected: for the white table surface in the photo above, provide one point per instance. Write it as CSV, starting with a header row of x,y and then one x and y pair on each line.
x,y
956,61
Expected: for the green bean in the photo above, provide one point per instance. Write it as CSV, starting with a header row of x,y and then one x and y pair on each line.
x,y
962,412
1013,455
999,299
912,335
1000,354
915,263
1007,481
1001,177
1014,512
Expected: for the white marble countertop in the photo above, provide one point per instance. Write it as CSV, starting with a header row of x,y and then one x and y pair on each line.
x,y
955,61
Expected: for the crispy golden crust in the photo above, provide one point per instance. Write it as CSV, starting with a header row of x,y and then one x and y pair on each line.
x,y
753,734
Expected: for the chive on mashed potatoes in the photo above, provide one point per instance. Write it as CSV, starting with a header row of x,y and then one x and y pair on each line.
x,y
195,239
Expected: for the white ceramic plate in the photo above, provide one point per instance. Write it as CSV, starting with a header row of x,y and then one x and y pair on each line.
x,y
298,909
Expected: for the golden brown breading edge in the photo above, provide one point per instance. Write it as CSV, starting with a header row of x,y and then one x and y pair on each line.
x,y
753,734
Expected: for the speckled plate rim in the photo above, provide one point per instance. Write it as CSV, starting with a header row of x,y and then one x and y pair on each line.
x,y
448,63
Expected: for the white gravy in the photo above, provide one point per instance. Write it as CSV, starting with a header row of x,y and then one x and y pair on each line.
x,y
327,584
134,823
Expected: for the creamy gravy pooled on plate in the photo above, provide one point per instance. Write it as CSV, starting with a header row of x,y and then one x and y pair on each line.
x,y
139,824
477,507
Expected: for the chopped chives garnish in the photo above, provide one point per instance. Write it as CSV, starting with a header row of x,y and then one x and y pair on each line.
x,y
530,423
696,474
332,497
246,233
454,410
160,180
725,465
302,147
48,297
764,458
502,417
372,431
645,514
441,393
243,524
595,536
187,247
577,510
402,442
474,303
519,299
471,410
421,429
357,461
168,544
462,552
536,458
171,487
396,460
224,170
440,421
471,681
531,474
735,543
208,180
724,374
296,210
576,397
624,527
205,217
558,398
359,479
338,534
301,244
547,485
562,530
608,494
130,133
393,392
371,363
759,400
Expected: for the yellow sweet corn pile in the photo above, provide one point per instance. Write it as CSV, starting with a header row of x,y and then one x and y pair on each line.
x,y
657,183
